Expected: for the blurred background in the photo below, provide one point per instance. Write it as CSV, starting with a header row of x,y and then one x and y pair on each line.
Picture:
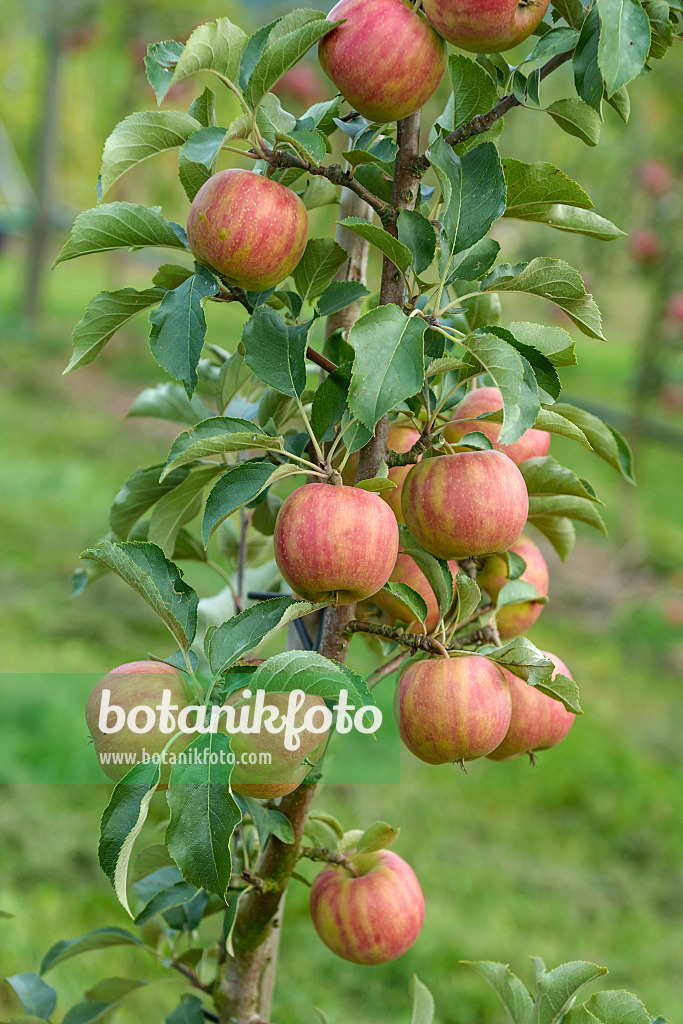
x,y
581,857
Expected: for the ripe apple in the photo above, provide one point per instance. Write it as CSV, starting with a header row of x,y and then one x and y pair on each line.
x,y
408,571
400,439
515,619
385,59
645,246
656,177
249,229
485,26
138,684
335,543
532,442
538,721
471,503
452,709
301,83
287,769
674,309
372,918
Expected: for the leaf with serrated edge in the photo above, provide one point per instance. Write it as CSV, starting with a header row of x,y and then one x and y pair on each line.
x,y
377,836
101,938
288,42
312,673
103,317
512,993
145,568
141,136
168,401
215,46
556,989
321,260
122,823
469,595
414,602
423,1002
244,632
119,226
174,508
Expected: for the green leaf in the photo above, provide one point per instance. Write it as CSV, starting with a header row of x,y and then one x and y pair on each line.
x,y
103,317
661,29
579,222
178,507
311,141
203,814
557,40
215,46
559,531
604,439
576,118
543,475
522,658
101,938
271,121
168,401
624,42
587,77
556,989
423,1003
140,136
418,235
275,354
329,402
621,102
36,996
196,158
238,486
233,375
203,108
468,594
474,263
413,601
268,822
188,1012
473,189
438,572
122,823
377,836
216,436
339,295
487,352
399,254
540,184
310,672
144,567
389,362
377,485
289,40
512,993
473,93
173,896
566,506
554,280
179,327
553,342
160,63
321,260
120,226
140,491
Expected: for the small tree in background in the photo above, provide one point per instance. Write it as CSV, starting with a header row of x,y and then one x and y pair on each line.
x,y
389,438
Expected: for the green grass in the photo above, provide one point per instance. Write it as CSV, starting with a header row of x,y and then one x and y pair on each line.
x,y
579,858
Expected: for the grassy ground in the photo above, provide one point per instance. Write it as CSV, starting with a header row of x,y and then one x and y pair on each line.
x,y
580,858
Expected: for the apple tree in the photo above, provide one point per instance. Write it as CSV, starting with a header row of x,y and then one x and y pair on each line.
x,y
361,463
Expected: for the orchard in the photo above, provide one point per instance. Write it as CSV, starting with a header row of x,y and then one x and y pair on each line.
x,y
384,425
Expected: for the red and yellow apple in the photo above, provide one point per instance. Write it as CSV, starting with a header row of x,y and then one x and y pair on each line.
x,y
515,619
452,709
372,918
385,59
485,26
531,444
470,503
249,229
287,769
135,692
335,543
538,721
400,438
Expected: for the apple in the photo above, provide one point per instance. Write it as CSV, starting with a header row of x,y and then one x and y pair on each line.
x,y
372,918
645,246
249,229
538,721
674,308
532,443
656,177
385,59
485,26
137,684
408,571
301,83
287,769
515,619
452,709
400,438
335,543
470,503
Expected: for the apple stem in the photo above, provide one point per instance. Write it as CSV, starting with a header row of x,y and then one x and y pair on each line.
x,y
532,758
461,762
417,5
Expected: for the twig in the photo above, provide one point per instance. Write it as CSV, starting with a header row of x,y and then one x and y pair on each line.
x,y
323,853
482,122
191,977
418,642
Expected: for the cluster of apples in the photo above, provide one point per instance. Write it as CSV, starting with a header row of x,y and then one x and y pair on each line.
x,y
387,61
